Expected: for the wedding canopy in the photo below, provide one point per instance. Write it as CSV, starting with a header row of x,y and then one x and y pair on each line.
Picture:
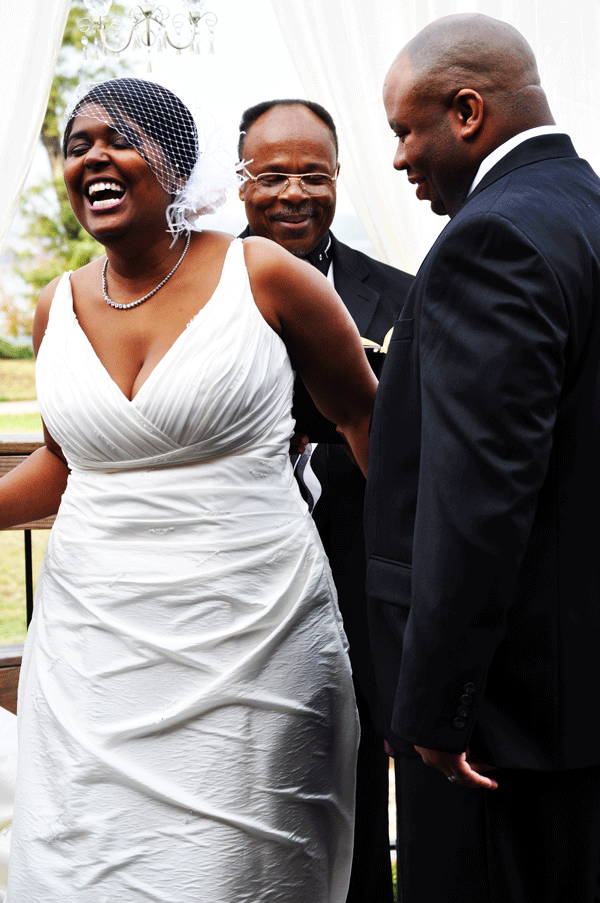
x,y
342,50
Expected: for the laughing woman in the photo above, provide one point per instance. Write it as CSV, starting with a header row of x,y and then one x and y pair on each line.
x,y
187,722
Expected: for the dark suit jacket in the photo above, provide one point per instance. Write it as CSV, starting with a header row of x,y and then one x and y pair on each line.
x,y
373,292
483,498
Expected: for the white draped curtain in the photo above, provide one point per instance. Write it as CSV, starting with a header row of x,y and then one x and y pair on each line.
x,y
342,50
30,36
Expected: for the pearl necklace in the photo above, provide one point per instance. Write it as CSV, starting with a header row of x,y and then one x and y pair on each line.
x,y
149,295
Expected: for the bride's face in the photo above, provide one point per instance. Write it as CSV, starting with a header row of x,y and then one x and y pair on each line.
x,y
111,186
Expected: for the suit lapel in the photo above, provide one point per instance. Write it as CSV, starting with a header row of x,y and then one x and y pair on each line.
x,y
349,274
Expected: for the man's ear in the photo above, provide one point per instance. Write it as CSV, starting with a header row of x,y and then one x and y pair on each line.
x,y
466,113
242,191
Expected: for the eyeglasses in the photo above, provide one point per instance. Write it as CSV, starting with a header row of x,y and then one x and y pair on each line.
x,y
275,183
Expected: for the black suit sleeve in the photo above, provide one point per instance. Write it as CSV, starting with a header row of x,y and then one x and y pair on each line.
x,y
492,336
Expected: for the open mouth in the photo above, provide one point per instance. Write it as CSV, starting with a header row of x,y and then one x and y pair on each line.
x,y
293,216
102,195
292,220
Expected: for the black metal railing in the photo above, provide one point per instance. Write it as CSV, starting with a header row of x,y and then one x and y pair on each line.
x,y
13,450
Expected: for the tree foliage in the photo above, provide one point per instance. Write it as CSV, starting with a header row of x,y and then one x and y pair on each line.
x,y
10,352
17,322
56,239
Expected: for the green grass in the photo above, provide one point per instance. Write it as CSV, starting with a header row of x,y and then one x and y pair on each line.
x,y
17,380
13,424
12,581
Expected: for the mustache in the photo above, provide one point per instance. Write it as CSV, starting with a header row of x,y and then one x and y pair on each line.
x,y
303,209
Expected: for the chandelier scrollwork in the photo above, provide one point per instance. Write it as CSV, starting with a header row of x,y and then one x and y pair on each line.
x,y
145,27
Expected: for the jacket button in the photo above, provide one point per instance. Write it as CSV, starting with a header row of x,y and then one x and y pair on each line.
x,y
463,712
470,688
467,699
458,725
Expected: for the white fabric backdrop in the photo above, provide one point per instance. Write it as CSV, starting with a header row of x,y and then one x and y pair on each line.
x,y
342,50
30,37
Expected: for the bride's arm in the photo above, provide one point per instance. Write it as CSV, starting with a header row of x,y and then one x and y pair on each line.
x,y
34,488
300,304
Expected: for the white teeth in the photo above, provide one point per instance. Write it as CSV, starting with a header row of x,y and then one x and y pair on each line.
x,y
107,202
104,186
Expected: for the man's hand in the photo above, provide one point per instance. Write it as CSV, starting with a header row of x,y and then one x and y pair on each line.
x,y
457,766
298,444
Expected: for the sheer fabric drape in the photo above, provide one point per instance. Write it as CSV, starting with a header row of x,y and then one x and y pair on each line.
x,y
30,39
342,50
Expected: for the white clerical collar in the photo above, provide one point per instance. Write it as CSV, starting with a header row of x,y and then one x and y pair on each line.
x,y
504,149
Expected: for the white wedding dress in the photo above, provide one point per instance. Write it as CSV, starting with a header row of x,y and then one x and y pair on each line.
x,y
187,722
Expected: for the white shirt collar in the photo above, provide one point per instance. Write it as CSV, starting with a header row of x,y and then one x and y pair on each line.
x,y
499,152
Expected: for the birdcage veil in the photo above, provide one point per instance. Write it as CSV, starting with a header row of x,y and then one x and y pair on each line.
x,y
178,140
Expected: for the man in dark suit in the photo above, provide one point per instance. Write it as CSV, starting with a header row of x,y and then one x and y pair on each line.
x,y
483,497
298,138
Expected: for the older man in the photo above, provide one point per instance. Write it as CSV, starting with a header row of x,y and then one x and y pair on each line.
x,y
291,151
483,501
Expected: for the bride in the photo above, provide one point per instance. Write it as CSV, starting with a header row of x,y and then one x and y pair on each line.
x,y
187,723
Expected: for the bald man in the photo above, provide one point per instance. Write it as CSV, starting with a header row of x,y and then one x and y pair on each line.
x,y
483,498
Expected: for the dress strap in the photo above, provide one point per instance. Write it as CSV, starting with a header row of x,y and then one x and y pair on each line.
x,y
62,302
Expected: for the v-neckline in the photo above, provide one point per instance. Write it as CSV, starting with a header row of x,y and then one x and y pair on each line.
x,y
159,365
